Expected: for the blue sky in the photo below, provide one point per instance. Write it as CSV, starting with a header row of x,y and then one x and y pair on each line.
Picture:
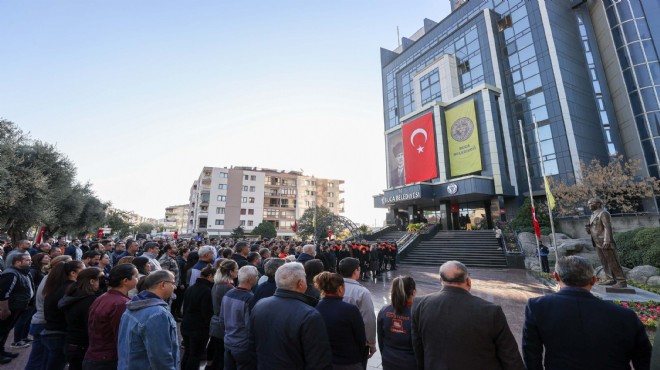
x,y
142,94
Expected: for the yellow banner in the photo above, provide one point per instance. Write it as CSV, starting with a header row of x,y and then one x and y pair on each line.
x,y
463,139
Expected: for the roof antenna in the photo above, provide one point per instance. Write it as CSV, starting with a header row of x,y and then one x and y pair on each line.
x,y
398,38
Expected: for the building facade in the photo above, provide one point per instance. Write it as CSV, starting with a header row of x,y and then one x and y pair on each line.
x,y
222,199
176,218
461,96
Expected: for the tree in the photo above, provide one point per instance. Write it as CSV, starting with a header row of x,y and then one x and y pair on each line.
x,y
364,229
238,233
616,184
265,230
317,223
523,220
144,228
117,223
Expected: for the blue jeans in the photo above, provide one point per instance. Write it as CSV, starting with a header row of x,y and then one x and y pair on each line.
x,y
38,356
55,355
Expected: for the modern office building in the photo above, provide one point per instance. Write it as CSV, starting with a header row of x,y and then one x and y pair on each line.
x,y
222,199
176,218
456,93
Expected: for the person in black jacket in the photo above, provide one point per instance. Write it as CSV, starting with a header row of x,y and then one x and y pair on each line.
x,y
197,312
286,331
224,277
267,289
183,283
77,299
343,322
54,334
393,327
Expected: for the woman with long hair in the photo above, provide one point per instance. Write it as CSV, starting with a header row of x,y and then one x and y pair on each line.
x,y
77,299
104,317
224,282
394,327
144,268
38,356
54,333
343,321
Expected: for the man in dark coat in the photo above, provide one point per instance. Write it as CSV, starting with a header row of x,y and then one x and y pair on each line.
x,y
308,253
453,329
580,331
297,337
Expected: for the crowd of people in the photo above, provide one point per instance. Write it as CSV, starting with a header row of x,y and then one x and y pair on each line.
x,y
283,305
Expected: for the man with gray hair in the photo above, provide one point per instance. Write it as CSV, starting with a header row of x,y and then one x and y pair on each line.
x,y
206,257
297,338
308,253
580,331
147,330
267,288
452,329
235,316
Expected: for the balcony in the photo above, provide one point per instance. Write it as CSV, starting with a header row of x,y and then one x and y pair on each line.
x,y
205,198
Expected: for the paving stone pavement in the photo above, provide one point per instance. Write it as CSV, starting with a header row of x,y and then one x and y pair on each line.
x,y
506,287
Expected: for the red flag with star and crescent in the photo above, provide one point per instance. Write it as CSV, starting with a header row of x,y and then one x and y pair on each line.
x,y
419,154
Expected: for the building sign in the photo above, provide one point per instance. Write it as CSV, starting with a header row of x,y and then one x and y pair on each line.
x,y
417,191
452,188
400,197
419,153
463,139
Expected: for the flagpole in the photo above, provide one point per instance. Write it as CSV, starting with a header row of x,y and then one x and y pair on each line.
x,y
552,222
529,184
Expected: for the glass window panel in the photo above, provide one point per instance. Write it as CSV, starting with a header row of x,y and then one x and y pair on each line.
x,y
540,113
651,55
630,81
641,128
624,11
526,53
472,47
649,152
477,72
511,48
608,136
513,60
636,54
460,42
516,76
655,72
475,60
636,103
596,87
547,147
603,118
653,171
551,167
524,40
471,35
654,123
519,88
530,70
545,133
536,100
648,96
521,25
611,149
623,58
629,31
518,14
611,16
643,29
586,45
593,74
601,105
616,35
533,82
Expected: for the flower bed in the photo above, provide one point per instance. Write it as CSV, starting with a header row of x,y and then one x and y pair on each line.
x,y
648,312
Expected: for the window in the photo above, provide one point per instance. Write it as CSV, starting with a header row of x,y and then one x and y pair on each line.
x,y
246,177
222,186
219,210
242,222
250,211
223,175
253,189
330,204
204,208
207,173
243,211
430,86
331,184
250,223
253,178
331,195
222,198
244,200
219,222
251,200
245,188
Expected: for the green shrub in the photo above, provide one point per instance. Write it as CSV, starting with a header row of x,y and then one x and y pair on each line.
x,y
639,247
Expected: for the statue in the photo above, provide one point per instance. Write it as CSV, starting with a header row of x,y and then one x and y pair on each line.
x,y
602,238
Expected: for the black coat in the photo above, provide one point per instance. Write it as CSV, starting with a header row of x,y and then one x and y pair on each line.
x,y
76,313
580,331
197,308
289,334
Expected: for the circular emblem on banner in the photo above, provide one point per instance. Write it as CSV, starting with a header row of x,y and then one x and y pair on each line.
x,y
452,188
462,129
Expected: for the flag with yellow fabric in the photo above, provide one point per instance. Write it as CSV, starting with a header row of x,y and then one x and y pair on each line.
x,y
548,194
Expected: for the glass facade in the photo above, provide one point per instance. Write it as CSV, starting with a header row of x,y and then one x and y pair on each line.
x,y
641,72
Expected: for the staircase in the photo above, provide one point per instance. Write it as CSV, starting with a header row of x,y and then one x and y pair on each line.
x,y
478,248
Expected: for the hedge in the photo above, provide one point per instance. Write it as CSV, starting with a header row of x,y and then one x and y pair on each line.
x,y
639,247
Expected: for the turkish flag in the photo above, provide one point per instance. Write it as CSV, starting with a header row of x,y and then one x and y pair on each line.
x,y
419,154
176,235
537,228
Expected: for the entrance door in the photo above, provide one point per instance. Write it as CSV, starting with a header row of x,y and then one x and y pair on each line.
x,y
471,216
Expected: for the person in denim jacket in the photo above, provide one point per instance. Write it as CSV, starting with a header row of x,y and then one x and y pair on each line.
x,y
147,331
